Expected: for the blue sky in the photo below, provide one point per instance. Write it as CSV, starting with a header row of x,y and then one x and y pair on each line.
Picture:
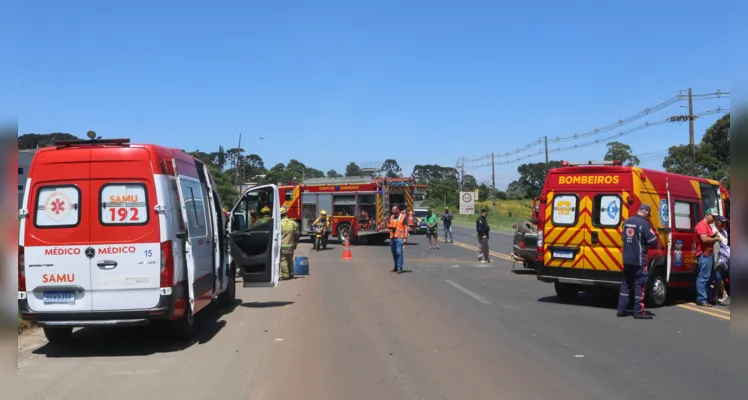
x,y
329,82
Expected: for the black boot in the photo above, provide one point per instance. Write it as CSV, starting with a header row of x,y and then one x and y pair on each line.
x,y
642,316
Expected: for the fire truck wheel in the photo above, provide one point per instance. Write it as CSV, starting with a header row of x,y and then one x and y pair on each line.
x,y
58,336
344,230
565,291
656,289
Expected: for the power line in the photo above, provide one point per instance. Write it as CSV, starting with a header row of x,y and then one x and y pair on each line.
x,y
601,140
621,122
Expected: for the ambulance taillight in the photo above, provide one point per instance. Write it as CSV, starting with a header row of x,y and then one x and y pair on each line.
x,y
21,270
539,256
167,264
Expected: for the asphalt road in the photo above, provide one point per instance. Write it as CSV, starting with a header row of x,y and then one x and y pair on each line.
x,y
449,329
499,241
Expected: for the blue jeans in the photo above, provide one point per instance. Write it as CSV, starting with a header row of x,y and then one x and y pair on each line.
x,y
447,233
704,279
396,245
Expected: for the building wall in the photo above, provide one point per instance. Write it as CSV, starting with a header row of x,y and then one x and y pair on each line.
x,y
24,162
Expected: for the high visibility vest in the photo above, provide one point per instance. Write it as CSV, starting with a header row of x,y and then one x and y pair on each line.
x,y
289,229
398,227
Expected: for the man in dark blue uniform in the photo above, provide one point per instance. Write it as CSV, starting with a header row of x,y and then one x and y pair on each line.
x,y
637,236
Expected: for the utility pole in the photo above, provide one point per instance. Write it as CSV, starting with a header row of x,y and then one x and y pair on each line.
x,y
546,150
236,163
493,181
690,131
462,173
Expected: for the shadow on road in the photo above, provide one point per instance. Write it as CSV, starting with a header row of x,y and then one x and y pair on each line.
x,y
268,304
138,341
609,299
525,272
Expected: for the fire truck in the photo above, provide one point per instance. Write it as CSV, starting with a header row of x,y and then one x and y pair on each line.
x,y
359,207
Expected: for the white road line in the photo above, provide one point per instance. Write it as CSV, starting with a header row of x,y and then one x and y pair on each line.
x,y
478,298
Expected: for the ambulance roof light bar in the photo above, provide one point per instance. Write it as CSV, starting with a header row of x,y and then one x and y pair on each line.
x,y
574,164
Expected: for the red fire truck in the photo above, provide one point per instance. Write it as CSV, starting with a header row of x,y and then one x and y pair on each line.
x,y
358,206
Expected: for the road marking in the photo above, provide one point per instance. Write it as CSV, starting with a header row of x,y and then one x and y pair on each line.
x,y
718,314
475,248
477,297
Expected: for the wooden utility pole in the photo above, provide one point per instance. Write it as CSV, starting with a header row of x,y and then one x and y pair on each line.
x,y
462,172
493,181
236,164
690,132
546,151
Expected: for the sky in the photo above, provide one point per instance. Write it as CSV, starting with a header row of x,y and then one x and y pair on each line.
x,y
330,82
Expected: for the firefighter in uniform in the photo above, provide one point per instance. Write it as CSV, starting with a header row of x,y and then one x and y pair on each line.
x,y
398,236
637,235
264,216
289,239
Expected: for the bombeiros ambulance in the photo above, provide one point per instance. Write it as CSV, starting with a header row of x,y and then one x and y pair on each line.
x,y
113,233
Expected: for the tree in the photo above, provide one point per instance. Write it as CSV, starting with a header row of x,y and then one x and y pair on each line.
x,y
709,159
469,183
531,179
621,152
333,174
314,173
352,169
30,141
391,169
432,173
252,166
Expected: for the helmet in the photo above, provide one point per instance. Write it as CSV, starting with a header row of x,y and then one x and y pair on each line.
x,y
265,210
283,210
323,213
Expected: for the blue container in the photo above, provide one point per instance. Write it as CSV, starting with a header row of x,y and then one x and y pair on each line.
x,y
301,265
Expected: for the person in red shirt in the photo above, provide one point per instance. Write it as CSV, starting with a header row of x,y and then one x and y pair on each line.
x,y
707,238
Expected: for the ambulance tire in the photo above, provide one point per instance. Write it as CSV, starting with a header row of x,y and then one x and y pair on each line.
x,y
58,336
226,299
657,292
566,292
184,328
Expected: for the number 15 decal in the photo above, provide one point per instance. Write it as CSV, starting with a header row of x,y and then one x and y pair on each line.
x,y
121,214
149,253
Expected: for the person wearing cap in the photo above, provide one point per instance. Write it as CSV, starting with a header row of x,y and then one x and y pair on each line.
x,y
637,236
447,223
398,227
705,254
289,240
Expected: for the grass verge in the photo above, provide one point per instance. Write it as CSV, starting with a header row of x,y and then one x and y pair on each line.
x,y
501,218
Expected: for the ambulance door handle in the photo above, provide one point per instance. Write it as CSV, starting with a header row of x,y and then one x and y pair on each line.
x,y
107,264
595,238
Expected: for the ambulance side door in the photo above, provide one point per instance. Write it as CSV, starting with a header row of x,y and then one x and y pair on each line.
x,y
255,248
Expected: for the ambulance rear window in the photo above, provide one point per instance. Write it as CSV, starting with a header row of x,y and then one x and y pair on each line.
x,y
57,207
606,210
565,209
123,204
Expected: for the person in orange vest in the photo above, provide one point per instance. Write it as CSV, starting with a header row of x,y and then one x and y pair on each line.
x,y
398,235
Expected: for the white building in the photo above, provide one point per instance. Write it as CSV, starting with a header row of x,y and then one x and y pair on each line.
x,y
24,162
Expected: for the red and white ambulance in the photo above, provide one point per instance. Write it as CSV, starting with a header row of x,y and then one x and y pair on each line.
x,y
113,233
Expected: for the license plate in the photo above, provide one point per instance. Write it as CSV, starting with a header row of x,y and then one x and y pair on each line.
x,y
59,297
567,255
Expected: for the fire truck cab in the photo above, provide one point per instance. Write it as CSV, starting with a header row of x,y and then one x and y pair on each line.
x,y
581,211
113,234
359,207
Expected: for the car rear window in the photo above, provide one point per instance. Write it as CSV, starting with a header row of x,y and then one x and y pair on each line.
x,y
57,206
123,204
420,214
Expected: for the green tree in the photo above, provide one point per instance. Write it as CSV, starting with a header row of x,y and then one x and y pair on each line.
x,y
333,174
469,183
30,141
391,169
352,169
621,152
709,159
531,180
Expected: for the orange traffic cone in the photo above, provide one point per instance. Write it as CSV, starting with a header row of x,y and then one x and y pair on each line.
x,y
347,250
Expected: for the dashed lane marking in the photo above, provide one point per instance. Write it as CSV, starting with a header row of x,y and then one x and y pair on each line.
x,y
475,296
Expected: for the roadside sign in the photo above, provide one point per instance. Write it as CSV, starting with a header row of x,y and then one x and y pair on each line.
x,y
467,203
475,195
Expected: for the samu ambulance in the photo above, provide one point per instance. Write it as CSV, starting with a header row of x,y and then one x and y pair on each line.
x,y
113,233
581,212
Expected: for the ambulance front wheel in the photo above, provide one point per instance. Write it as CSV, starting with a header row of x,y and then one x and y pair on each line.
x,y
58,335
565,291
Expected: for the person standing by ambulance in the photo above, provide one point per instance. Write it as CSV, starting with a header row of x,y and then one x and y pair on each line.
x,y
705,255
398,235
637,235
289,240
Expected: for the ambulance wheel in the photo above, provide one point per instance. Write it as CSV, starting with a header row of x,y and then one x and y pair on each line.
x,y
184,327
565,291
656,290
226,299
58,335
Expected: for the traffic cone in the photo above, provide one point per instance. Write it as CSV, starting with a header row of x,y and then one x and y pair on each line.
x,y
347,250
